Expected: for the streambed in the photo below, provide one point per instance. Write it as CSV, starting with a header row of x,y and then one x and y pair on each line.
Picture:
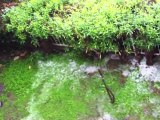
x,y
68,87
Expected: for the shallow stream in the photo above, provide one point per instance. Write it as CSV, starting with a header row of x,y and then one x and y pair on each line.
x,y
67,87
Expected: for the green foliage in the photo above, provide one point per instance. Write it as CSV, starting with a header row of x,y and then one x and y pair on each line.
x,y
102,25
92,25
34,19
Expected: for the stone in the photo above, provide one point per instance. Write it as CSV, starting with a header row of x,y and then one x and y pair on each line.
x,y
23,54
125,73
91,70
106,116
114,57
16,58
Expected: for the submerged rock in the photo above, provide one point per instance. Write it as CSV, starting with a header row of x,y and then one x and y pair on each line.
x,y
16,58
125,73
131,118
114,57
106,116
150,73
91,70
143,72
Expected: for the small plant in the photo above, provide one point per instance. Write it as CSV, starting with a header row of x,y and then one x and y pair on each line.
x,y
87,25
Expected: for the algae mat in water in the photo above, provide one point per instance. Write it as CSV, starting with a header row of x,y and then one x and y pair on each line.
x,y
56,88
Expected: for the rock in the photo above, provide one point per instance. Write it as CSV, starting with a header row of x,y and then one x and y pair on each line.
x,y
91,70
113,64
114,57
106,116
16,58
125,73
23,54
149,57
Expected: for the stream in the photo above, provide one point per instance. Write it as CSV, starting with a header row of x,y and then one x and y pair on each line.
x,y
66,87
140,75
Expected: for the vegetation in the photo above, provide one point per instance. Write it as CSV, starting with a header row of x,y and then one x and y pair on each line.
x,y
88,25
54,87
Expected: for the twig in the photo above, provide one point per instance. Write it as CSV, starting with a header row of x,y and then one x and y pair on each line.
x,y
110,93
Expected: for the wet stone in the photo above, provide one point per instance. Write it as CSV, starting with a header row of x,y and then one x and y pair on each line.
x,y
106,116
16,58
114,57
113,64
91,70
125,73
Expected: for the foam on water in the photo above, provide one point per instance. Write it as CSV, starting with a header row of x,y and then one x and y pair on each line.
x,y
49,74
146,73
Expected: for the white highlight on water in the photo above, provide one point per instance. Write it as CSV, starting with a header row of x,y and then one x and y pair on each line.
x,y
146,73
50,74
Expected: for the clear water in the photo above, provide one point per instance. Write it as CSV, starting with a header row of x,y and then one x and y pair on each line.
x,y
70,88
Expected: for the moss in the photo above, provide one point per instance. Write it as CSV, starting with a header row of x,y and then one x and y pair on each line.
x,y
54,87
17,78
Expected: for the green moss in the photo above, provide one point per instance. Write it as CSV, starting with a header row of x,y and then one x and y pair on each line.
x,y
129,97
53,87
17,78
64,104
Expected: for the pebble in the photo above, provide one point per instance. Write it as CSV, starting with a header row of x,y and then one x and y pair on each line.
x,y
16,58
125,73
